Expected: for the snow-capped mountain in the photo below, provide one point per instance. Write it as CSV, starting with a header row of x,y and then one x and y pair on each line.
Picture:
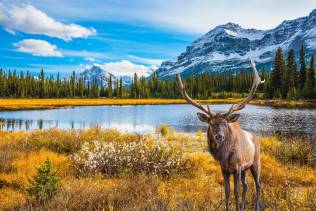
x,y
226,47
117,70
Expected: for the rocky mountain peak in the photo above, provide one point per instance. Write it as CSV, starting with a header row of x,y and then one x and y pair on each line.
x,y
313,13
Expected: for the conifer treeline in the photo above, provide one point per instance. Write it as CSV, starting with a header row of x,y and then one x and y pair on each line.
x,y
13,85
284,81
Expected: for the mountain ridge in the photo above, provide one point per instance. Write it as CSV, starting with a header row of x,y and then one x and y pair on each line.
x,y
226,47
99,74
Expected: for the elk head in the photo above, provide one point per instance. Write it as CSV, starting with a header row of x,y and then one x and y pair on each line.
x,y
218,122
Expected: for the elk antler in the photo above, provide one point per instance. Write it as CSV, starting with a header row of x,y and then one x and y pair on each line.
x,y
189,100
255,84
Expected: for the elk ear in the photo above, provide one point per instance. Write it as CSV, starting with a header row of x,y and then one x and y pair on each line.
x,y
233,118
203,118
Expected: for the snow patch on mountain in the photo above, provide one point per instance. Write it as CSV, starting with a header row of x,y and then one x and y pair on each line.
x,y
250,34
121,69
232,33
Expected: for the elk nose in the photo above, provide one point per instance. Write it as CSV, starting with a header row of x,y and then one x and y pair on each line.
x,y
219,137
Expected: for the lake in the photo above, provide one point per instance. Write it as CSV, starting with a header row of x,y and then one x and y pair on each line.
x,y
146,118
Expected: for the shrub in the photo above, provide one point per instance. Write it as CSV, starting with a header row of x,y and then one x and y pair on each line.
x,y
171,133
163,130
115,158
45,183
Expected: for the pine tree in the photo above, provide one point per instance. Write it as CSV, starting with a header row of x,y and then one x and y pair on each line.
x,y
81,88
277,75
303,67
42,84
73,84
310,83
292,69
121,88
109,91
58,86
135,86
102,91
116,88
45,183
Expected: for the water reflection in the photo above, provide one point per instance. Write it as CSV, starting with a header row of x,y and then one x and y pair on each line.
x,y
145,118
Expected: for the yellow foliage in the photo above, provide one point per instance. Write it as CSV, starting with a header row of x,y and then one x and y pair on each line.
x,y
205,164
272,171
24,167
11,199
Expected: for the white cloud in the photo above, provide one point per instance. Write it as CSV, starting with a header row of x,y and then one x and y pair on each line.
x,y
126,68
150,61
38,48
28,19
183,15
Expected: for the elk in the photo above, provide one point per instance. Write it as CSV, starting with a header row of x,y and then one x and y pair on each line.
x,y
235,149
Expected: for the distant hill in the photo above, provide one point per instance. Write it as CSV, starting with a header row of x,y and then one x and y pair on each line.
x,y
96,72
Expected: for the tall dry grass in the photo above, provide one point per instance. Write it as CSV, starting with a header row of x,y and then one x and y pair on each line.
x,y
288,180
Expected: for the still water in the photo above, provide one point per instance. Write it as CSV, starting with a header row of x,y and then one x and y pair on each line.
x,y
146,118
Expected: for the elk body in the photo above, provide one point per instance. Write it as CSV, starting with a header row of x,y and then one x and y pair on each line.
x,y
235,149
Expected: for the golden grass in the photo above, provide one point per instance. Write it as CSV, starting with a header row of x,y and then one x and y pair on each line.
x,y
11,198
17,104
287,183
24,167
29,104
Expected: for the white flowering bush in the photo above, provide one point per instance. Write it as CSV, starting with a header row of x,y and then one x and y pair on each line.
x,y
114,158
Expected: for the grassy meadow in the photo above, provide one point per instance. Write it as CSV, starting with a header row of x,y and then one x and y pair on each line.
x,y
108,170
29,104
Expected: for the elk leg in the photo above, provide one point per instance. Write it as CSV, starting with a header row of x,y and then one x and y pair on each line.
x,y
227,188
255,171
237,176
244,189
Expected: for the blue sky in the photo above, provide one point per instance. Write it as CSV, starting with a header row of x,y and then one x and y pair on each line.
x,y
129,35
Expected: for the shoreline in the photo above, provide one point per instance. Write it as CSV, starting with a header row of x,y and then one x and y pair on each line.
x,y
40,104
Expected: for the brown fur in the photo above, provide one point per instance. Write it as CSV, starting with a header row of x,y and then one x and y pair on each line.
x,y
238,152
